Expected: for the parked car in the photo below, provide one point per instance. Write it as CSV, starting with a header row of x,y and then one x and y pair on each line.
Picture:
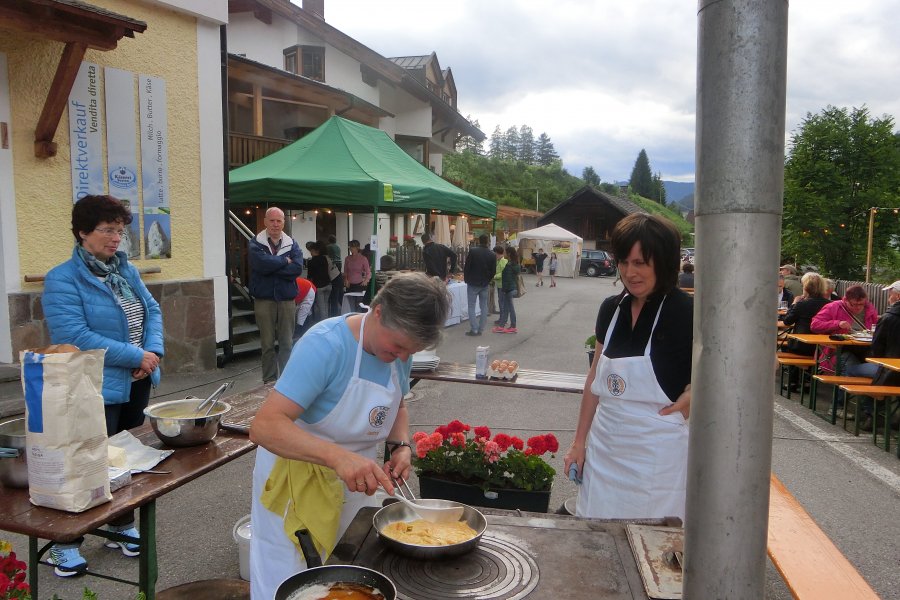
x,y
595,263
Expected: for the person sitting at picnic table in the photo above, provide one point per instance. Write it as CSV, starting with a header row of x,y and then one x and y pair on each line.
x,y
885,344
686,277
791,279
831,285
852,313
785,297
800,315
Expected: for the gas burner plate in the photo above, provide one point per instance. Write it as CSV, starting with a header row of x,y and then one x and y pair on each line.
x,y
494,570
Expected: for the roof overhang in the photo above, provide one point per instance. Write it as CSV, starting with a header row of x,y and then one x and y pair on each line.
x,y
79,26
278,84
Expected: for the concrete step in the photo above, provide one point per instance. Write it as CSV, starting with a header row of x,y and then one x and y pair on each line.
x,y
243,328
241,312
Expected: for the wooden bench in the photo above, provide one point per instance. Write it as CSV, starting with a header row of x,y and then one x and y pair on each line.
x,y
834,380
785,361
810,564
876,392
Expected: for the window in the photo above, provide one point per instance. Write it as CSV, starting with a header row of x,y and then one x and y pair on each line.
x,y
308,61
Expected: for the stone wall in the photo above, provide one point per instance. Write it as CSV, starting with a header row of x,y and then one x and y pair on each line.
x,y
189,329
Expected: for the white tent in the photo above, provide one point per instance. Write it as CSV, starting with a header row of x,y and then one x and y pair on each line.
x,y
553,238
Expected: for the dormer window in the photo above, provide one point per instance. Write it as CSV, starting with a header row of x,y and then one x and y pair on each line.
x,y
308,61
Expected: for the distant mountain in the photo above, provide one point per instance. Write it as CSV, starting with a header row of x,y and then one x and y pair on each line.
x,y
676,191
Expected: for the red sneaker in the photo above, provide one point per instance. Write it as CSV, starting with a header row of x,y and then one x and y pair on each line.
x,y
498,329
510,330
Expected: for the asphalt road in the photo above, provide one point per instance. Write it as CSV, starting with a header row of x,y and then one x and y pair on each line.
x,y
850,487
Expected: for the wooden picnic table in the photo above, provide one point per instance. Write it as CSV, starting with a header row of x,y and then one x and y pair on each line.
x,y
824,339
548,381
18,515
890,363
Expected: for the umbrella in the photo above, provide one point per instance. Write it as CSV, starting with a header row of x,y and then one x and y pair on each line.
x,y
442,230
461,233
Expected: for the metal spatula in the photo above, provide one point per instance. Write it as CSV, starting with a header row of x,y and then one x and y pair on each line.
x,y
450,514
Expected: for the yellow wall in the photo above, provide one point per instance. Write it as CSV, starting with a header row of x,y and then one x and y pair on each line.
x,y
167,49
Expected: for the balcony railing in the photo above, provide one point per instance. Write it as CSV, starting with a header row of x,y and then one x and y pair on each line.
x,y
244,149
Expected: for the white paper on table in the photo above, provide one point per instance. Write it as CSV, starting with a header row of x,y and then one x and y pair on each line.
x,y
139,457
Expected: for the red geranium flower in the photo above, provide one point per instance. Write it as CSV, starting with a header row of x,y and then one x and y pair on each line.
x,y
537,445
482,432
551,442
503,440
458,439
517,443
457,426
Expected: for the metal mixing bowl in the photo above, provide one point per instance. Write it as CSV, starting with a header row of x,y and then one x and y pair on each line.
x,y
13,471
399,511
178,423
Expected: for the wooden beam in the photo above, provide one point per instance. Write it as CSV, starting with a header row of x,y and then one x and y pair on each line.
x,y
53,28
57,98
257,110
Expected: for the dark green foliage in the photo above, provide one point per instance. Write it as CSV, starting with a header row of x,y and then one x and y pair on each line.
x,y
590,176
510,182
659,190
526,145
546,153
842,162
467,143
641,181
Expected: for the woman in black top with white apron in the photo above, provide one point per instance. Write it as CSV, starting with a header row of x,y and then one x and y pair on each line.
x,y
630,446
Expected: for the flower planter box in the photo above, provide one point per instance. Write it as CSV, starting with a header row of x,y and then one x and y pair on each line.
x,y
473,495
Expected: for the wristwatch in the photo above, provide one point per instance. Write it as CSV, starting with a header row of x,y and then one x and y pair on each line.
x,y
394,444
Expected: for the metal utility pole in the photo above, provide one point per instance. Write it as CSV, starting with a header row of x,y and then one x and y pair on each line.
x,y
869,245
741,72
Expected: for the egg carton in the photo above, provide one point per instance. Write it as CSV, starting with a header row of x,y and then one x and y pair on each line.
x,y
507,371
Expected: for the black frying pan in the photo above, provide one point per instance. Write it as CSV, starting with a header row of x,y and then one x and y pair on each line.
x,y
317,574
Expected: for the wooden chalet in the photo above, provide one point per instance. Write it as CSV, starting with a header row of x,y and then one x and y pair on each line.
x,y
591,214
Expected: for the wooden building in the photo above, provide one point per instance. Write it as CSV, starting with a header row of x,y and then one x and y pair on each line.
x,y
591,214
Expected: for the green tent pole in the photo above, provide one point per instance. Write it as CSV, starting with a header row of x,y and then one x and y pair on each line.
x,y
372,256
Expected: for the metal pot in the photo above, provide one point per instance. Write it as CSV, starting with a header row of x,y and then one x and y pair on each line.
x,y
399,511
14,470
178,423
317,574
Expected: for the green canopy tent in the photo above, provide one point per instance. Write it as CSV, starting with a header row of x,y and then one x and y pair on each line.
x,y
344,165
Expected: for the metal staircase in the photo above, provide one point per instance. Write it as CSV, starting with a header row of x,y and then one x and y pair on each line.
x,y
243,333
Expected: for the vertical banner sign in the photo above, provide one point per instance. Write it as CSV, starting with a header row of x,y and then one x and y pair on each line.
x,y
155,167
86,134
121,147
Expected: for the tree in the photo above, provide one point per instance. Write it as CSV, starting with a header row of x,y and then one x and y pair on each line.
x,y
497,143
526,145
641,181
511,145
546,153
590,176
841,163
659,190
467,143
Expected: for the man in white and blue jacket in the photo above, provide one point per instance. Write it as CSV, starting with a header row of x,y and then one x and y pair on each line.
x,y
275,263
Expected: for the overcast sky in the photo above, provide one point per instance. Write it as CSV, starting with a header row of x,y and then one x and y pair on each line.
x,y
604,79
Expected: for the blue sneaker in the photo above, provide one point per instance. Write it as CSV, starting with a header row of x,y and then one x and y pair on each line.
x,y
67,560
127,548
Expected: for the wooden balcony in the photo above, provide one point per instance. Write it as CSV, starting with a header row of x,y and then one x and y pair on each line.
x,y
244,148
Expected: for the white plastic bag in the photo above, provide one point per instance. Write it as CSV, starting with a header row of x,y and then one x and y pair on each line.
x,y
65,434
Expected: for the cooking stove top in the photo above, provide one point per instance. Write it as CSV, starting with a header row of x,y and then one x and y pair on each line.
x,y
521,555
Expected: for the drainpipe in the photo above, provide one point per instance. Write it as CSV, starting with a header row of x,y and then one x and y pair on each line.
x,y
227,345
742,56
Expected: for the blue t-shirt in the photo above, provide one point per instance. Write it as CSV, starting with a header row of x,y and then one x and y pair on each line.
x,y
321,365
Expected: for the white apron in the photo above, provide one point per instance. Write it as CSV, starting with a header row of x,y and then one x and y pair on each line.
x,y
636,459
362,419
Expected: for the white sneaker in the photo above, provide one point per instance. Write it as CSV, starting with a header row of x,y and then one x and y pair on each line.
x,y
129,549
840,415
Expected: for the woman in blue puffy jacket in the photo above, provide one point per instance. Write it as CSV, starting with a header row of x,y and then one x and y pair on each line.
x,y
95,300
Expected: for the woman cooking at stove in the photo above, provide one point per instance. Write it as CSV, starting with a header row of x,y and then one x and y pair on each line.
x,y
339,397
630,446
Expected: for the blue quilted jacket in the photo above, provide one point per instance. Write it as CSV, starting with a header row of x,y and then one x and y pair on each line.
x,y
81,310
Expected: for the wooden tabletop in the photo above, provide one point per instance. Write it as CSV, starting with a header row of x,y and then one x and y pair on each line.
x,y
549,381
18,515
891,363
824,339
